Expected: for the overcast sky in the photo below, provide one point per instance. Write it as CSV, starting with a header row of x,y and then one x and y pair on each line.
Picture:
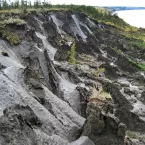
x,y
102,2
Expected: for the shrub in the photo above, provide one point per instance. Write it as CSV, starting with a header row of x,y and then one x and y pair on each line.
x,y
98,71
139,65
106,95
10,36
14,21
135,135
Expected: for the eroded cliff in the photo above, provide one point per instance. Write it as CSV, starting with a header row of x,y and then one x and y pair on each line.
x,y
43,97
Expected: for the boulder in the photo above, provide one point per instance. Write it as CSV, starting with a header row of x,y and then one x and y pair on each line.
x,y
16,126
102,127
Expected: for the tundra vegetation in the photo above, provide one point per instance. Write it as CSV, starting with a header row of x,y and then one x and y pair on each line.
x,y
72,54
135,36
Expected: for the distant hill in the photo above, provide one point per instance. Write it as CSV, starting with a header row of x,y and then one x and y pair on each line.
x,y
118,8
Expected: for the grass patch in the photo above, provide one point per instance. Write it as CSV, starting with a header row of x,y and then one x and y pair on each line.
x,y
98,71
99,14
11,37
135,135
6,32
12,21
140,44
139,65
72,54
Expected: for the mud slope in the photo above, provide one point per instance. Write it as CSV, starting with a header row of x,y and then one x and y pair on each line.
x,y
43,98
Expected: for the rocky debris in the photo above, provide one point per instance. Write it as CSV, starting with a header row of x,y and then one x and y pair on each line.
x,y
62,53
136,142
37,74
43,138
120,100
122,62
84,99
133,120
102,127
16,126
143,97
1,66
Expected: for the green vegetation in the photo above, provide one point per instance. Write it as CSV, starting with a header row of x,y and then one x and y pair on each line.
x,y
72,54
139,65
106,95
138,43
7,33
10,36
100,14
135,135
101,94
98,71
118,51
12,21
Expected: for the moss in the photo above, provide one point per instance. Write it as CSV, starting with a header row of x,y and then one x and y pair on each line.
x,y
98,71
106,95
12,21
11,37
135,135
140,44
86,57
72,54
132,135
139,65
59,42
118,51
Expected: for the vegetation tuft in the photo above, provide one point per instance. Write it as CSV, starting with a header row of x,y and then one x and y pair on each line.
x,y
135,135
10,36
72,54
139,65
98,71
134,35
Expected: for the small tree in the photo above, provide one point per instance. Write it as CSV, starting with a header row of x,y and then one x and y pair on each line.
x,y
22,4
36,4
72,54
29,4
16,4
5,5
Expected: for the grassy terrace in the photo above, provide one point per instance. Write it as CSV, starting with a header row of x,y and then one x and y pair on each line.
x,y
139,65
99,14
135,36
96,13
7,33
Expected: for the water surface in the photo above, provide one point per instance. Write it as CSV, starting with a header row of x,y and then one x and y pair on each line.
x,y
133,17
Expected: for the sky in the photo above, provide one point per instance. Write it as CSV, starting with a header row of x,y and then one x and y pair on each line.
x,y
102,2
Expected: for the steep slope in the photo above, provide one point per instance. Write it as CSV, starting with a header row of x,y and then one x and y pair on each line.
x,y
44,98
